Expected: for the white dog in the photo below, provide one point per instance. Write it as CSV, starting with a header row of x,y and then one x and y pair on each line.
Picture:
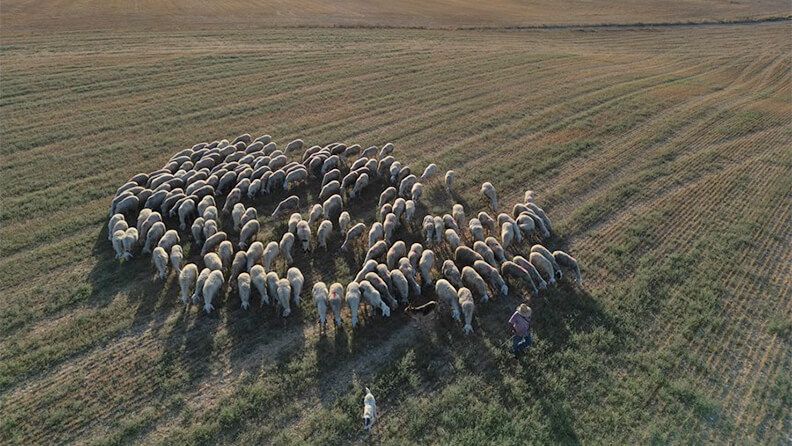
x,y
369,410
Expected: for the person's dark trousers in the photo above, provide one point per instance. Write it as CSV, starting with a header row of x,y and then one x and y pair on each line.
x,y
520,343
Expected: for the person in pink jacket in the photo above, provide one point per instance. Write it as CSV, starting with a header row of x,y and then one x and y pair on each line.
x,y
520,323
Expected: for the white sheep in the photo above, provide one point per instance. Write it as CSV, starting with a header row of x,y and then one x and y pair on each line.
x,y
439,229
376,233
170,238
360,184
503,218
369,408
320,293
210,213
429,172
155,233
399,207
336,300
570,262
488,190
486,221
428,229
416,249
465,256
197,230
213,242
199,283
449,222
296,280
466,302
389,227
293,220
332,207
177,258
159,257
226,252
397,251
385,197
314,215
130,242
187,277
243,285
447,293
211,288
557,273
304,235
116,218
543,266
530,196
283,296
405,187
492,276
287,205
205,203
425,266
451,273
401,287
353,301
238,265
373,297
475,282
512,270
497,249
409,211
118,243
377,251
353,234
484,251
528,266
452,238
271,251
248,233
409,273
417,192
344,220
507,234
213,262
323,233
258,277
449,180
186,211
254,255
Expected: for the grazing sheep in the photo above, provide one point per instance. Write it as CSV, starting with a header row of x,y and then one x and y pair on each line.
x,y
429,172
416,192
449,180
373,297
458,212
486,221
425,266
333,175
449,222
271,251
409,211
389,227
528,266
409,273
526,224
550,258
176,258
296,279
447,293
475,282
353,234
384,273
397,251
211,288
116,218
414,256
344,220
376,233
476,229
320,294
294,177
234,197
199,284
127,206
254,255
405,186
492,276
284,207
205,203
336,301
451,273
226,252
210,213
542,215
187,277
119,226
209,228
286,246
504,218
401,286
213,261
386,209
466,302
507,234
439,229
382,288
512,270
130,242
160,260
250,215
428,229
484,251
236,215
497,249
243,285
360,184
297,144
378,250
387,149
570,262
465,256
248,233
213,242
386,196
330,189
238,265
272,286
148,222
332,207
543,266
399,207
293,220
197,230
369,406
254,189
323,233
186,211
314,215
353,300
384,165
155,233
304,235
258,277
488,190
282,296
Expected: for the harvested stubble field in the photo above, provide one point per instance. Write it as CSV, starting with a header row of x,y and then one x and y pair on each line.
x,y
663,156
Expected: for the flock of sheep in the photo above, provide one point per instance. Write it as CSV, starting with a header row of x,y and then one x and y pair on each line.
x,y
187,191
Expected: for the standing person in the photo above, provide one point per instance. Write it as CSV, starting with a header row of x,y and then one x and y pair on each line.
x,y
520,323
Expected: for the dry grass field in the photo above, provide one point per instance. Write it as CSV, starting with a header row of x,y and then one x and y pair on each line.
x,y
662,154
202,14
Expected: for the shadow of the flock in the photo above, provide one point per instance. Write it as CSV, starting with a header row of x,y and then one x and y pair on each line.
x,y
259,337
